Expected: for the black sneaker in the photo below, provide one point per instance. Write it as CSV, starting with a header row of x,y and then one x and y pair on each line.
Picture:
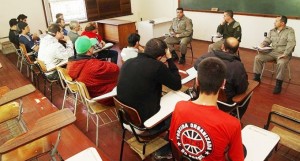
x,y
181,61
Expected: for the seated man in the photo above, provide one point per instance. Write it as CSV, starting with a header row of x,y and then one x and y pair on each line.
x,y
26,39
133,47
13,33
61,23
141,79
73,34
199,129
52,52
181,32
100,77
91,31
282,40
228,28
236,76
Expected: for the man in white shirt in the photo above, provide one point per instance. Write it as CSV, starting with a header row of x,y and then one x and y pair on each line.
x,y
54,49
133,48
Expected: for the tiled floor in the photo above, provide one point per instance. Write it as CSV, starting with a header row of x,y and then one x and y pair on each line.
x,y
259,107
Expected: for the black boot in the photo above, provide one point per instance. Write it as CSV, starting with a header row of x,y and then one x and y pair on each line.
x,y
256,77
278,86
182,59
174,55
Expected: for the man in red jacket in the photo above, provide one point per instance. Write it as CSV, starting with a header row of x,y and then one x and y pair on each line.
x,y
100,77
91,31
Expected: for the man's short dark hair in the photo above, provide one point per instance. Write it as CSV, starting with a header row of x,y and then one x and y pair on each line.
x,y
179,8
53,29
21,17
13,22
58,15
229,13
133,39
90,26
283,19
230,48
211,75
155,48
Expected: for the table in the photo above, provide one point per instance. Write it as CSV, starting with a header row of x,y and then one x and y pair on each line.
x,y
158,28
167,106
116,30
258,142
36,105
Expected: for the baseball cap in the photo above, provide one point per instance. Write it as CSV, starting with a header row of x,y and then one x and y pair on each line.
x,y
83,44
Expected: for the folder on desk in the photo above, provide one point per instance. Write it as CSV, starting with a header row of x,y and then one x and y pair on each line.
x,y
192,74
167,106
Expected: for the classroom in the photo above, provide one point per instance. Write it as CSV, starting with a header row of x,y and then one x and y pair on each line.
x,y
112,79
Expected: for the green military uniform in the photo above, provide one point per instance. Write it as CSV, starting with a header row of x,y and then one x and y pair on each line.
x,y
183,27
282,42
232,29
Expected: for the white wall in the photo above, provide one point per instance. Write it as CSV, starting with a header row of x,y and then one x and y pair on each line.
x,y
33,9
205,24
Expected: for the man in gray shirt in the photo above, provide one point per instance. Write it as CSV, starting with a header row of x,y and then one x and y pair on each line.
x,y
73,34
282,40
181,32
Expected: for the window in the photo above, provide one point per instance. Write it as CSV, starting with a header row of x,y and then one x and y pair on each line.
x,y
71,9
85,10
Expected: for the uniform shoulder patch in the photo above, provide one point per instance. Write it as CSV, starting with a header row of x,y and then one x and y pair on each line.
x,y
236,24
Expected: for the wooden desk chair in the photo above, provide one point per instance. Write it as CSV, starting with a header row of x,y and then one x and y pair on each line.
x,y
286,123
241,100
11,112
69,85
43,70
35,142
93,107
30,62
142,136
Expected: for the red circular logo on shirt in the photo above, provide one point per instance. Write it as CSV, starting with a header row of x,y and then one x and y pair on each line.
x,y
193,141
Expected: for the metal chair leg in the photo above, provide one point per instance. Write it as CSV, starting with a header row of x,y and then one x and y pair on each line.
x,y
122,145
65,95
97,130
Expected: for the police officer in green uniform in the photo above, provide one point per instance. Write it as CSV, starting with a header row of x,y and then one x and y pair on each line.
x,y
282,40
228,28
181,32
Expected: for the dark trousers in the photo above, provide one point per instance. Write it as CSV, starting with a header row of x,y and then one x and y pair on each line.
x,y
112,54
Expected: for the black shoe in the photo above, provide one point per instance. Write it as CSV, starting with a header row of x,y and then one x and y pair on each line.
x,y
278,86
181,60
174,55
256,77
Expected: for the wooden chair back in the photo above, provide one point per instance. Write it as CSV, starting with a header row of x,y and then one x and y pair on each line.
x,y
42,65
83,91
131,115
286,123
25,54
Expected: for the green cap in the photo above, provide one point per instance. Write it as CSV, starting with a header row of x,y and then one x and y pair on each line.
x,y
83,44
